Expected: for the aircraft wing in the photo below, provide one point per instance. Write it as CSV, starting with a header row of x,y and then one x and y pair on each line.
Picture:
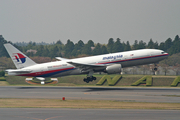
x,y
85,66
62,59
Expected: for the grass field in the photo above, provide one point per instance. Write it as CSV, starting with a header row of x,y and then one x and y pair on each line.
x,y
4,83
103,104
77,80
16,80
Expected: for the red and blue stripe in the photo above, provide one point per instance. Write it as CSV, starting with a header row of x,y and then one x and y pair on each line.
x,y
47,73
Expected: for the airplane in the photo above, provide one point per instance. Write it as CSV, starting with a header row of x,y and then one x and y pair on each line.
x,y
108,63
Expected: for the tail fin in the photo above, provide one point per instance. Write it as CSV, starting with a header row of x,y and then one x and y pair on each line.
x,y
20,60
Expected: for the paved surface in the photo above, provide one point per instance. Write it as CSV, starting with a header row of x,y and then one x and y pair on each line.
x,y
86,114
98,93
171,95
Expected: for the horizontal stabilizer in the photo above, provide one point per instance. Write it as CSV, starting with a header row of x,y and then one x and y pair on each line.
x,y
18,71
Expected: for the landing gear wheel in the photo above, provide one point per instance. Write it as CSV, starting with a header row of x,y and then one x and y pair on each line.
x,y
86,80
155,69
94,78
89,79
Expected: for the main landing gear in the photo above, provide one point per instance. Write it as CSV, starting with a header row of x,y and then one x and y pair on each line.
x,y
91,78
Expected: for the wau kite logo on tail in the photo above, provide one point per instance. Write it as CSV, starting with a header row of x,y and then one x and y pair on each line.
x,y
19,57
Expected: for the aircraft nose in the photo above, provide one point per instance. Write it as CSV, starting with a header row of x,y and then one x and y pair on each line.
x,y
162,52
165,54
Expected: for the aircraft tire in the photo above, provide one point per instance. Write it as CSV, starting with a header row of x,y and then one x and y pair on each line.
x,y
85,80
155,69
94,78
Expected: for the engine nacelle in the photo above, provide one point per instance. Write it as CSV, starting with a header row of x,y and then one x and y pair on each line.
x,y
115,68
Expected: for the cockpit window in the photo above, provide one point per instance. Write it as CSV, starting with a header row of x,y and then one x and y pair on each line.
x,y
162,52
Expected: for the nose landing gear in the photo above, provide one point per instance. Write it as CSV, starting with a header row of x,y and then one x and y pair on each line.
x,y
155,69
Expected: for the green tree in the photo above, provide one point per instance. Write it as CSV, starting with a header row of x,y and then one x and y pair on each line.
x,y
75,51
33,44
127,46
54,52
69,47
59,42
161,46
104,50
30,54
78,48
142,45
2,48
168,44
2,73
175,46
97,50
117,47
86,50
135,45
156,46
40,50
90,43
150,44
110,45
46,52
80,44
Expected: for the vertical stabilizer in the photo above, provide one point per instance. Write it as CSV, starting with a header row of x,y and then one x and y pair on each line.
x,y
20,60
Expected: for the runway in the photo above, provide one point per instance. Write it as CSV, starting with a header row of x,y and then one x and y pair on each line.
x,y
128,94
86,114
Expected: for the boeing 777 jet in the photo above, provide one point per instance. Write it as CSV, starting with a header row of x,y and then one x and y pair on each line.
x,y
108,63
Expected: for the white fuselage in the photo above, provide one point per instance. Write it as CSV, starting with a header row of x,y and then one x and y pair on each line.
x,y
62,68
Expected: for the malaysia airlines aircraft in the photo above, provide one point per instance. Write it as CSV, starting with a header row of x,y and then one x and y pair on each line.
x,y
108,63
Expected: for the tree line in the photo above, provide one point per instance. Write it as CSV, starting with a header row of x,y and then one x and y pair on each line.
x,y
79,49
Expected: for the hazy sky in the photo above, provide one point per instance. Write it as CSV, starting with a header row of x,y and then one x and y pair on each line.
x,y
97,20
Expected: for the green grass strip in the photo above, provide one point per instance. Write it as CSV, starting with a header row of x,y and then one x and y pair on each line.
x,y
144,80
103,80
2,79
83,104
114,80
148,80
111,82
176,81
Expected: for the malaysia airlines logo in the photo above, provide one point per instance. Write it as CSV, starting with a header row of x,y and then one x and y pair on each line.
x,y
112,57
19,58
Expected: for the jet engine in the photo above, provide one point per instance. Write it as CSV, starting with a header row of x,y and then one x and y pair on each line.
x,y
115,68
